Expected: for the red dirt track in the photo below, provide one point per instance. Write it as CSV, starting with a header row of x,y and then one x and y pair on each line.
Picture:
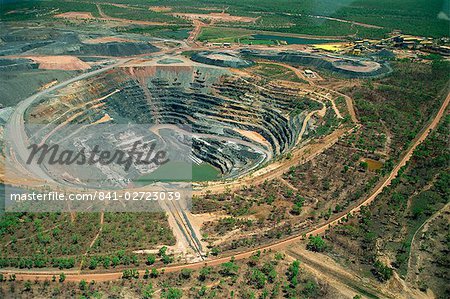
x,y
74,276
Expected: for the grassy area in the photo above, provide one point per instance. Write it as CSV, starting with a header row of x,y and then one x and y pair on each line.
x,y
216,34
131,231
169,31
411,16
250,41
418,17
45,239
275,72
313,26
141,14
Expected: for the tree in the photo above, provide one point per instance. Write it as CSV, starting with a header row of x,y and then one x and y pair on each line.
x,y
298,204
130,273
172,293
106,262
215,251
27,286
154,273
146,274
257,279
185,273
151,258
126,274
296,210
202,291
293,272
115,260
229,269
265,294
83,285
279,256
204,273
269,270
148,291
316,243
364,165
254,259
62,277
381,271
162,251
93,263
310,289
167,259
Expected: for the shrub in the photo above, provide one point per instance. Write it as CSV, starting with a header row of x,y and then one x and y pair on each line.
x,y
316,243
381,271
151,258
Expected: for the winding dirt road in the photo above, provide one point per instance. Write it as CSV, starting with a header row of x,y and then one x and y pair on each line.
x,y
198,25
320,229
300,75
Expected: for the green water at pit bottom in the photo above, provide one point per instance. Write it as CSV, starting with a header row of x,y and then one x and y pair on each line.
x,y
176,171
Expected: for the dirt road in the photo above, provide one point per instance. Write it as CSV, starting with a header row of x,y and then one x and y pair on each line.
x,y
414,256
198,25
301,76
102,217
328,270
74,276
276,169
105,17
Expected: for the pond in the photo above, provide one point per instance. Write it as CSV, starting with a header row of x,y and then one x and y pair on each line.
x,y
180,171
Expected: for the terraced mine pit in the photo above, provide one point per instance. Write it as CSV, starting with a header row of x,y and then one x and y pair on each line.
x,y
238,123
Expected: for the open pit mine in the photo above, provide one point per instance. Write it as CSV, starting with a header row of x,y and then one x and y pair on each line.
x,y
237,123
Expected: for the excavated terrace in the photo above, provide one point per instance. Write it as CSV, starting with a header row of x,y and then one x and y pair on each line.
x,y
237,123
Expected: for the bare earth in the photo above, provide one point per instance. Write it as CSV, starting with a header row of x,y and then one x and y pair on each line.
x,y
221,17
106,39
255,136
75,15
68,63
160,8
74,276
104,17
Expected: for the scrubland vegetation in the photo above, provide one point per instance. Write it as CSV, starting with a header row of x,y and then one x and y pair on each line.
x,y
412,17
398,106
264,275
386,228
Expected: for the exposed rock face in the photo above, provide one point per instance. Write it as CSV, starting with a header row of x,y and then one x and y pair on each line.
x,y
224,59
237,123
17,64
44,41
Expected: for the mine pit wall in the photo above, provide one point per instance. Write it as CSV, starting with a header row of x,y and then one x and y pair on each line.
x,y
320,62
208,99
203,57
19,64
